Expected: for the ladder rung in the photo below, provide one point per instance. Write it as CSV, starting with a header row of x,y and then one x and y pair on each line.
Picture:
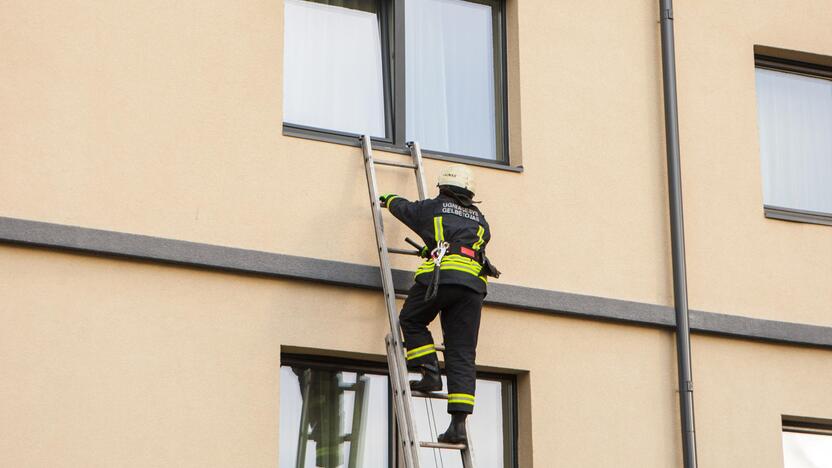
x,y
436,395
403,251
401,296
440,348
440,445
382,162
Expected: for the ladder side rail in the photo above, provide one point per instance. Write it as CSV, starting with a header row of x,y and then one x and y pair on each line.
x,y
404,389
303,432
395,349
468,452
381,244
401,406
416,154
358,432
398,345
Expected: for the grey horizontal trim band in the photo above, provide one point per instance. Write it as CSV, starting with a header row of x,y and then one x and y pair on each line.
x,y
798,216
118,244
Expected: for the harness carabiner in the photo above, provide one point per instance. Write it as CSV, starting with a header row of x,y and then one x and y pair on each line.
x,y
436,254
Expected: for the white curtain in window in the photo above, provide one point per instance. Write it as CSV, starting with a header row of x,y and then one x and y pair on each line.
x,y
332,68
795,120
807,450
450,77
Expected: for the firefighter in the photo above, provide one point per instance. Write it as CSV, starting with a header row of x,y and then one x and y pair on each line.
x,y
455,234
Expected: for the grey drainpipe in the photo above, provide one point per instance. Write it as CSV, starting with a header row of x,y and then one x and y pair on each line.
x,y
677,235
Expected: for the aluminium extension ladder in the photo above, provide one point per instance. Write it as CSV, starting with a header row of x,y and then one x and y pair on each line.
x,y
409,445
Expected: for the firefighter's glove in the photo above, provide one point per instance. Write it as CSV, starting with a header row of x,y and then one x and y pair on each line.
x,y
386,199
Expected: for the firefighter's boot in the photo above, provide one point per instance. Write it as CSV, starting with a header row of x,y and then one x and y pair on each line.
x,y
431,380
456,433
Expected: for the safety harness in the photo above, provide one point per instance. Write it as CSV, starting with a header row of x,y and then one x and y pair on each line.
x,y
455,256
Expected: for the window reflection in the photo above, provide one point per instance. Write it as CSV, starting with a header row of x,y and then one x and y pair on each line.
x,y
332,419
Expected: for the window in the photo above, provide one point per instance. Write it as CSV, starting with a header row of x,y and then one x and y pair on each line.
x,y
807,443
430,71
333,76
337,414
794,106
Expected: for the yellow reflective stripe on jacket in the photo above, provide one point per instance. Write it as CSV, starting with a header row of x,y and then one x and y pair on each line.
x,y
480,232
438,232
425,267
461,259
462,398
464,271
455,265
483,278
454,262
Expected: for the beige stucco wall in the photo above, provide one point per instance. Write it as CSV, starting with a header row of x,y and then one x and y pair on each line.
x,y
742,391
165,119
162,120
179,367
739,261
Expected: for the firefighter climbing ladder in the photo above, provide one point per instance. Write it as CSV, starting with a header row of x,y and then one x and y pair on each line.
x,y
408,444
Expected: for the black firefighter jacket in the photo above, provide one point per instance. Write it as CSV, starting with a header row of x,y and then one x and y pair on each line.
x,y
443,219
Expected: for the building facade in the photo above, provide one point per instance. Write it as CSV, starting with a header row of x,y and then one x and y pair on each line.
x,y
188,274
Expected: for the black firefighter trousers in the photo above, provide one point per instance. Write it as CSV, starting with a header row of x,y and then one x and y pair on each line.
x,y
461,309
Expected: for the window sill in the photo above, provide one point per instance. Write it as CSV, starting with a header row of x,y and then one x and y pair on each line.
x,y
798,216
353,140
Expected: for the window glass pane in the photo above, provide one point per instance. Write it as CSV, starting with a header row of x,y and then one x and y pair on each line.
x,y
450,86
807,450
333,419
486,425
332,66
795,122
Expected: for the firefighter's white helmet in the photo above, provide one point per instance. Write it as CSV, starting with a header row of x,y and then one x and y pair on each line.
x,y
457,175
